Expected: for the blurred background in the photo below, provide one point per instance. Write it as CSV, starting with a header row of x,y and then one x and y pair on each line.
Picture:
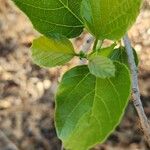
x,y
27,91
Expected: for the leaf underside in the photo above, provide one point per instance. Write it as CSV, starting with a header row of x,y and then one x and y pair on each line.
x,y
89,108
53,16
100,66
50,52
109,19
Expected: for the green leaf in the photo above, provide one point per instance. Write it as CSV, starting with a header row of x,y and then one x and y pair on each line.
x,y
53,16
109,19
101,66
89,108
107,51
51,52
120,55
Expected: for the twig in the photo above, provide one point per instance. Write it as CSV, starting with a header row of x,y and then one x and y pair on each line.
x,y
5,143
62,147
86,47
87,44
136,92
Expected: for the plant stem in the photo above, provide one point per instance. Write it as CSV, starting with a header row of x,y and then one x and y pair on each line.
x,y
87,44
136,92
100,44
6,143
95,45
86,47
62,147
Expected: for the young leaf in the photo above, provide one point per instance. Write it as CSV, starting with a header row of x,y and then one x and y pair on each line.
x,y
51,52
106,52
89,108
120,55
53,16
101,66
109,19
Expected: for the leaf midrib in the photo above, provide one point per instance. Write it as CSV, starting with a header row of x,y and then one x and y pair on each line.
x,y
94,99
65,6
61,25
82,79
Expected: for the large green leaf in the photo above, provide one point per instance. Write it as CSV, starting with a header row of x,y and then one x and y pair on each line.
x,y
53,16
100,66
88,108
109,18
51,52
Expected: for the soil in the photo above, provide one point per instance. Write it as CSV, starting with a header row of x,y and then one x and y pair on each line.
x,y
27,91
